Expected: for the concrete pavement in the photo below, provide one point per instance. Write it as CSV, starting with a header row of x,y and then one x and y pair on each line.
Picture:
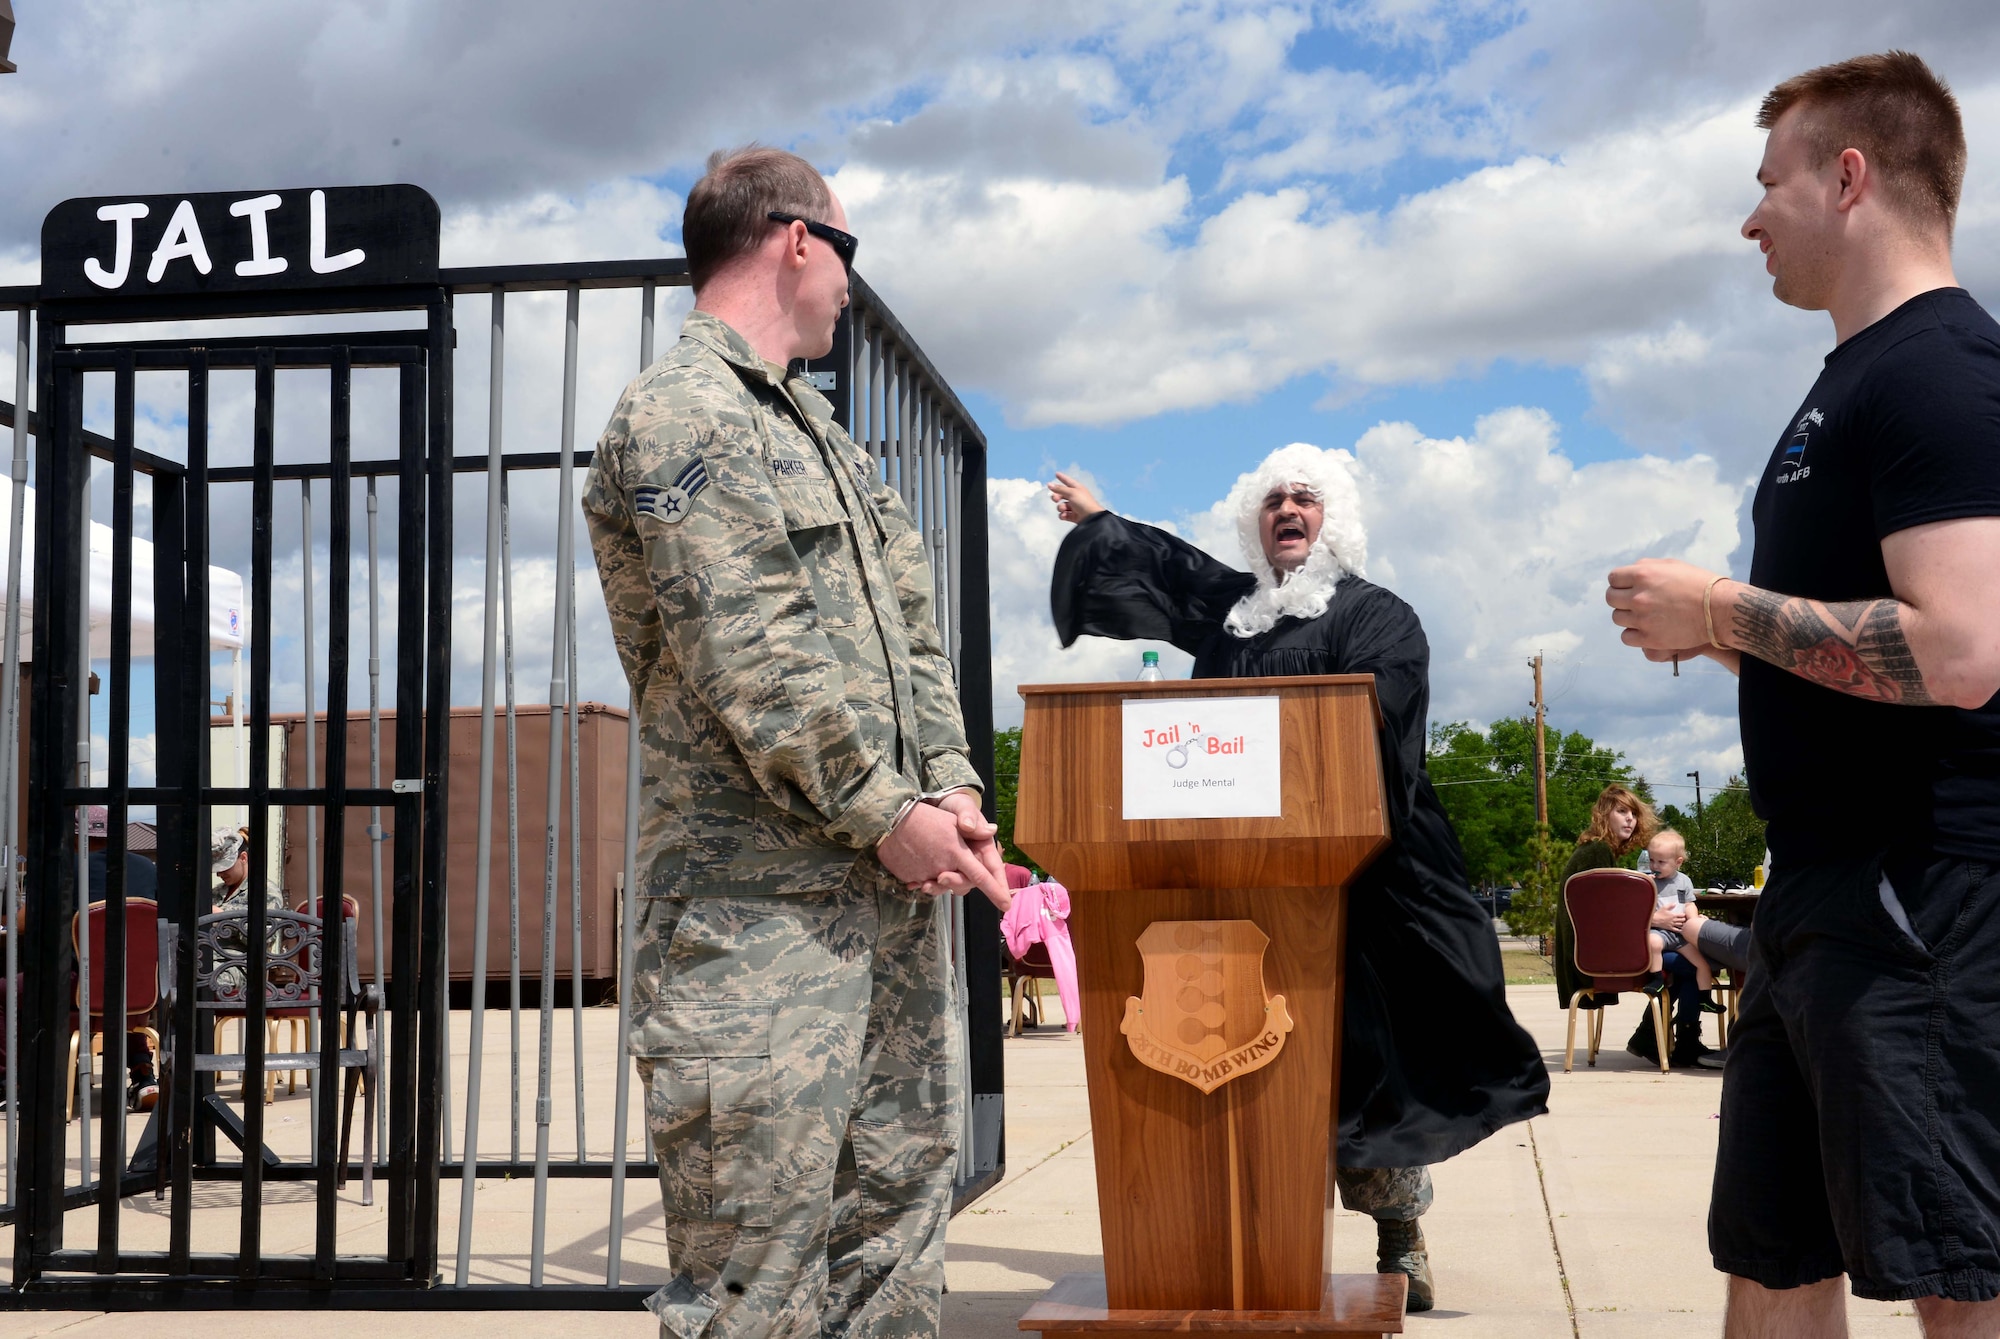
x,y
1588,1222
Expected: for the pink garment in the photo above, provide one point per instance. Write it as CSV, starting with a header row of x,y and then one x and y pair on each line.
x,y
1040,915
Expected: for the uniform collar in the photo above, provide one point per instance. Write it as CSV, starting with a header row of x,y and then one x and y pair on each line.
x,y
719,336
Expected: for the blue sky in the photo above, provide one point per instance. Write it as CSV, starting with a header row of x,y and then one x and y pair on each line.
x,y
1487,246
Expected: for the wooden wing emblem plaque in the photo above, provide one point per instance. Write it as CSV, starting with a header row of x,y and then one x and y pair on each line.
x,y
1205,1017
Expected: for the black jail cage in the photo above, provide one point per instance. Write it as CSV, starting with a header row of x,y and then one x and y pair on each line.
x,y
258,388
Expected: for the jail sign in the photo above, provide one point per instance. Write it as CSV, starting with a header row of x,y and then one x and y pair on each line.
x,y
240,241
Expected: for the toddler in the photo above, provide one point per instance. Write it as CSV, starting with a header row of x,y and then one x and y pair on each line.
x,y
1674,891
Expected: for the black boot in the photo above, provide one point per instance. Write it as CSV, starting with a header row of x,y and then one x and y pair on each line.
x,y
1688,1049
1644,1043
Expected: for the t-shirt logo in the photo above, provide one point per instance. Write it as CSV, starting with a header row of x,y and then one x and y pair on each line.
x,y
1792,465
670,504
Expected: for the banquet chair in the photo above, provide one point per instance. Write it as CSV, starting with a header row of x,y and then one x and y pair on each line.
x,y
1611,909
1026,974
142,982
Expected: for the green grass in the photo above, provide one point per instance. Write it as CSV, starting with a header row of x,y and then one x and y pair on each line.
x,y
1526,969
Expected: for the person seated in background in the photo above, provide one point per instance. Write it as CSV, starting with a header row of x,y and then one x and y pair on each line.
x,y
1676,924
1620,824
142,1087
142,879
229,861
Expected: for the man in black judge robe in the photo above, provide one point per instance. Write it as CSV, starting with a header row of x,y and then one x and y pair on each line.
x,y
1432,1060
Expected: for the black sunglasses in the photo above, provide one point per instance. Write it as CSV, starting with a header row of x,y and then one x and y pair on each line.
x,y
844,244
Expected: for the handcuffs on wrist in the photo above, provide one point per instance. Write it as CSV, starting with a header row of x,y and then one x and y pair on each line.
x,y
928,797
903,812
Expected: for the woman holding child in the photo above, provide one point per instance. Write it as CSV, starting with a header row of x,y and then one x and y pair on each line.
x,y
1620,824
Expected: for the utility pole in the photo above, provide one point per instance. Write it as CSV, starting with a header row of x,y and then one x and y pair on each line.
x,y
1697,793
1541,755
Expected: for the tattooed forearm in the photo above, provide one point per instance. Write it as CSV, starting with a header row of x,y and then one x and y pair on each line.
x,y
1855,647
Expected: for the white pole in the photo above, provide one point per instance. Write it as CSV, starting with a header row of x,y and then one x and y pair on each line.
x,y
84,1067
482,872
236,720
558,695
628,903
10,748
378,1093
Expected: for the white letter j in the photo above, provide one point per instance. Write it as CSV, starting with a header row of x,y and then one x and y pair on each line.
x,y
121,256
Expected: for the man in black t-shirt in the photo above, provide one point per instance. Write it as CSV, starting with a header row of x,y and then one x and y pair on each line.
x,y
1861,1102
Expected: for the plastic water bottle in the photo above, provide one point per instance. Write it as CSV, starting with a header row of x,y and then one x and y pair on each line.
x,y
1149,667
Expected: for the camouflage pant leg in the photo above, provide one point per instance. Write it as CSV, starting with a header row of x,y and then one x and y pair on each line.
x,y
892,1193
753,1029
1387,1194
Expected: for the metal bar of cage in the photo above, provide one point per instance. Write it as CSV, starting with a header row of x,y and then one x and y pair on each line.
x,y
558,699
628,921
330,904
10,725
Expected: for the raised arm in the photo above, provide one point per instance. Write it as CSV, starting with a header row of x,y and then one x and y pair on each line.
x,y
1120,578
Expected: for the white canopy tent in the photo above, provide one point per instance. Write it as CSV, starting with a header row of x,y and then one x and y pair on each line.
x,y
225,608
225,588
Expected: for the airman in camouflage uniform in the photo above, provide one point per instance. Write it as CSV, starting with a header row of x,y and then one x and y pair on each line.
x,y
771,602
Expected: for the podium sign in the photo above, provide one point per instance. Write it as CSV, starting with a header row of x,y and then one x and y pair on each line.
x,y
1202,758
1210,951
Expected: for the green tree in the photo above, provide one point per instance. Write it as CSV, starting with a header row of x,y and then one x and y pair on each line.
x,y
1486,781
1532,910
1725,838
1007,788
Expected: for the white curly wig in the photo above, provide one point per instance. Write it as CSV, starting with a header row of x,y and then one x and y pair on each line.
x,y
1340,549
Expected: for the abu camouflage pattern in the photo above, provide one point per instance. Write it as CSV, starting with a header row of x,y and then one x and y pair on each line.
x,y
798,1055
771,601
794,1025
1386,1194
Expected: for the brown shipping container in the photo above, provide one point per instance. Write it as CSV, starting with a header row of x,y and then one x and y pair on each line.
x,y
601,748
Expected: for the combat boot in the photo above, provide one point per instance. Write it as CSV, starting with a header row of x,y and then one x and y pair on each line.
x,y
1399,1249
1688,1051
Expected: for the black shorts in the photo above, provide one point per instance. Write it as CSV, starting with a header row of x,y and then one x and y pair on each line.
x,y
1861,1103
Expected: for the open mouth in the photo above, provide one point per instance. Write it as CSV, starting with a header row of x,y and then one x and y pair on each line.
x,y
1289,530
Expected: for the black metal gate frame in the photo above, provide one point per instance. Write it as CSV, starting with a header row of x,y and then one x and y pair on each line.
x,y
46,1272
47,1275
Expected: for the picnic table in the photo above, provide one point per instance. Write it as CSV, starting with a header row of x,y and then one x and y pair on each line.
x,y
1735,907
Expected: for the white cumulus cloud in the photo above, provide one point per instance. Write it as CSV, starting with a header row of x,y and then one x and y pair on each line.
x,y
1501,543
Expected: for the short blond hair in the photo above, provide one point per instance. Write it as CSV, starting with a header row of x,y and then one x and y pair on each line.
x,y
1668,834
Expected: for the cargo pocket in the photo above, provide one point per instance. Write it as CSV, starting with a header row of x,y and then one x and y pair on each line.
x,y
708,1107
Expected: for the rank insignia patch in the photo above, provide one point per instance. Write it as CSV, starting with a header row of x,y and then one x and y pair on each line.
x,y
670,504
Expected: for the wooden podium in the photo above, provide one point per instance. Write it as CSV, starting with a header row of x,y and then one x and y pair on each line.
x,y
1210,952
